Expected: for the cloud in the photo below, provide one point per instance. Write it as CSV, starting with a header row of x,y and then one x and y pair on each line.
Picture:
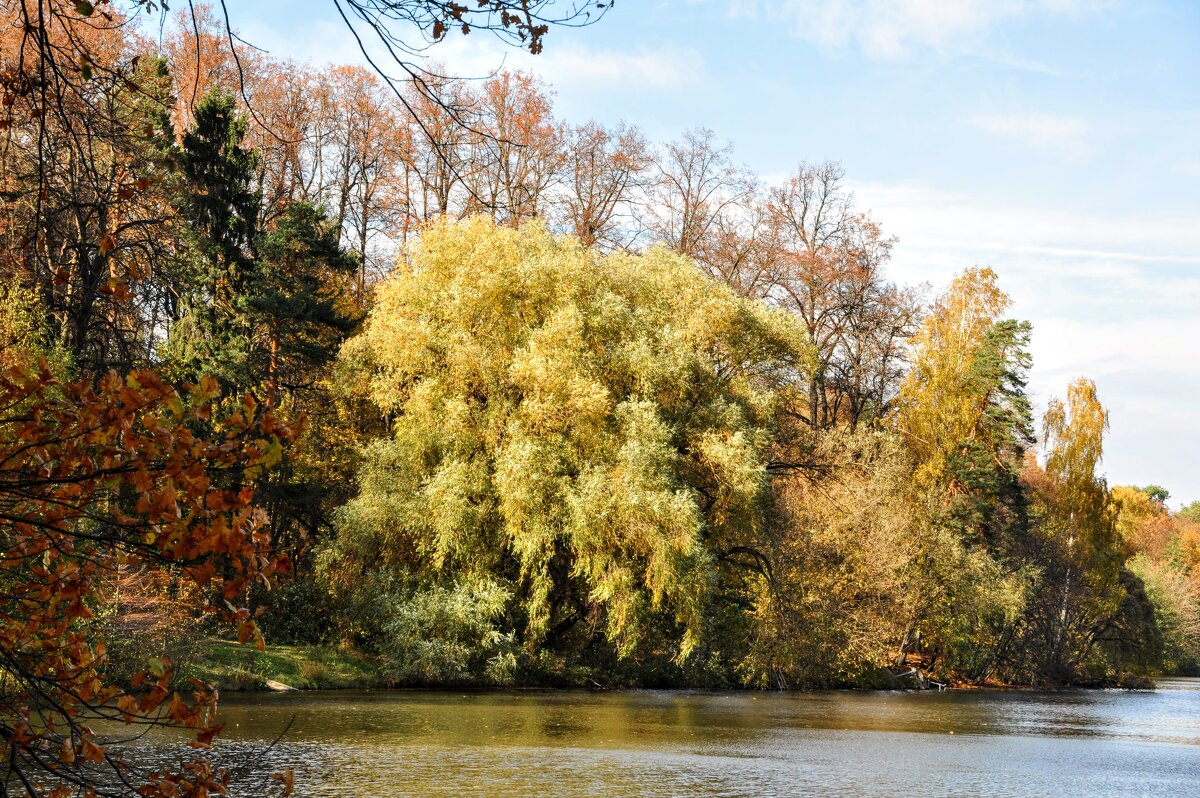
x,y
1043,131
567,66
1111,298
890,29
571,67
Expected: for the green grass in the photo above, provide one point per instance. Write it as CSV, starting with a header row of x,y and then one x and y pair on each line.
x,y
231,666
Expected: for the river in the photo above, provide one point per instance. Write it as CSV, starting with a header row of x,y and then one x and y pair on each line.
x,y
1089,744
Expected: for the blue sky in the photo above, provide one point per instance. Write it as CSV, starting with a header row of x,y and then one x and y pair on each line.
x,y
1057,141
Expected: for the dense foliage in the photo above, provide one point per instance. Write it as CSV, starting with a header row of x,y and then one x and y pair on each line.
x,y
422,370
594,431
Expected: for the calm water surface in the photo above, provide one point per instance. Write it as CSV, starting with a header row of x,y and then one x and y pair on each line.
x,y
1066,744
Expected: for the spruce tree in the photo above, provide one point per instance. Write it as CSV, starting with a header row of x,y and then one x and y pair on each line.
x,y
219,208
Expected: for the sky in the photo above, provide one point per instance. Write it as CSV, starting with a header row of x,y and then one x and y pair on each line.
x,y
1056,141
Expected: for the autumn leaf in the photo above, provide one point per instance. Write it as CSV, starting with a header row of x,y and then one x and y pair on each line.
x,y
287,779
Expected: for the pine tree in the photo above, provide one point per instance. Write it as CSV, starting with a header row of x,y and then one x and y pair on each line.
x,y
297,300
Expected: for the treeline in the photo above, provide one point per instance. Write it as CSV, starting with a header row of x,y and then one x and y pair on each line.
x,y
578,408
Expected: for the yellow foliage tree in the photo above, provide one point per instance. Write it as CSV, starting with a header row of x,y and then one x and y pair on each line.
x,y
591,430
935,407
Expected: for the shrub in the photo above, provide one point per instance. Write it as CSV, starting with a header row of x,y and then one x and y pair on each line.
x,y
443,636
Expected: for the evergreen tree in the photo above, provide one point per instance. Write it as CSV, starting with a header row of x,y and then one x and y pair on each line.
x,y
299,311
989,505
219,207
298,301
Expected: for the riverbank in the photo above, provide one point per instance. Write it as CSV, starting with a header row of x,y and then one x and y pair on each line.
x,y
231,666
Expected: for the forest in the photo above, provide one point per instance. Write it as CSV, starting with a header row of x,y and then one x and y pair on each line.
x,y
416,368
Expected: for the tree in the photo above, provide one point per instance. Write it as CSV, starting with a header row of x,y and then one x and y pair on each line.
x,y
300,310
695,185
298,301
828,269
98,475
603,170
940,406
366,160
1157,493
1085,586
441,154
84,122
518,148
841,556
81,219
591,433
220,205
963,410
1143,524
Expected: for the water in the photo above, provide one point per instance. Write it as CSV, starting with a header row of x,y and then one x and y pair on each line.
x,y
1060,745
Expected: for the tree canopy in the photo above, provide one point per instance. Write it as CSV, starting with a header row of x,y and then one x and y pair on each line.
x,y
593,430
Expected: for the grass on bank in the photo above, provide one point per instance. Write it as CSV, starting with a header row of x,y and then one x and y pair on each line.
x,y
233,666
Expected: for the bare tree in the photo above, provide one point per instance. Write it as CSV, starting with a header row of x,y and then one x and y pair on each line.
x,y
517,147
742,248
603,170
829,271
696,183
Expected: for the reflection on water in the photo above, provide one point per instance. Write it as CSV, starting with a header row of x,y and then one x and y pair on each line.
x,y
1076,743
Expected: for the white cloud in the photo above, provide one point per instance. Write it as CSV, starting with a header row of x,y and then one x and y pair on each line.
x,y
895,28
569,67
1044,131
566,66
958,222
1111,297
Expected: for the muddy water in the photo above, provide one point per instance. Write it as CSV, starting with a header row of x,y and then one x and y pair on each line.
x,y
1060,745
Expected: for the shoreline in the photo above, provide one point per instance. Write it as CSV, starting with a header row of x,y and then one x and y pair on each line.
x,y
236,668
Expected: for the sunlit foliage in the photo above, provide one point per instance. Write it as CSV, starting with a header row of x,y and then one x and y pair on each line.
x,y
591,430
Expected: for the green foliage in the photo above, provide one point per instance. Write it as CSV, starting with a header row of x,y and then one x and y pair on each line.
x,y
964,412
233,666
1085,596
262,307
987,501
220,207
1130,641
26,335
297,297
1156,493
1176,603
299,613
592,431
449,636
265,311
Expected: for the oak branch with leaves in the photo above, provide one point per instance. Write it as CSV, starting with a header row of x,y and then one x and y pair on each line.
x,y
96,475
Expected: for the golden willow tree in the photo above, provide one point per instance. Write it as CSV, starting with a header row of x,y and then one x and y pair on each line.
x,y
589,432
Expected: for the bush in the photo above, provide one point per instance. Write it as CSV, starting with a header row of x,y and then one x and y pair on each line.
x,y
300,613
448,636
